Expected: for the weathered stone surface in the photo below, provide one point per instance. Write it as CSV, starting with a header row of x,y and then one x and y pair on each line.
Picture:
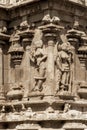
x,y
43,65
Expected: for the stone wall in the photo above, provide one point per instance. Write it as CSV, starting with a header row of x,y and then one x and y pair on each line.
x,y
43,66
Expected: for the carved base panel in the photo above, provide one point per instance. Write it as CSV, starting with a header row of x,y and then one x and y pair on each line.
x,y
66,95
35,96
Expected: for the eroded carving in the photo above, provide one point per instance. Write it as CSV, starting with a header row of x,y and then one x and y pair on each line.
x,y
47,19
64,61
15,92
16,50
24,25
40,58
36,64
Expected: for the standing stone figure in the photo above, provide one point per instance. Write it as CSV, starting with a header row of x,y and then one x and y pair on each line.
x,y
58,72
63,63
40,57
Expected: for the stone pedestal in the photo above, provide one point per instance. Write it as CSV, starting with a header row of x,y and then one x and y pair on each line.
x,y
27,75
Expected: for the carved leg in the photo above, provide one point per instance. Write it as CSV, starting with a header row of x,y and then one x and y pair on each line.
x,y
41,75
63,81
42,70
40,82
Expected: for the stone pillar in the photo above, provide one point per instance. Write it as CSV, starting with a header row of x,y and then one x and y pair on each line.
x,y
16,58
83,57
1,72
27,71
50,66
26,36
51,31
17,73
83,66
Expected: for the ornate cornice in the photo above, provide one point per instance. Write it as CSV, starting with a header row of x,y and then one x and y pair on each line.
x,y
13,3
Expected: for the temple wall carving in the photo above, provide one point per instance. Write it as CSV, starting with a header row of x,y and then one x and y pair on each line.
x,y
43,66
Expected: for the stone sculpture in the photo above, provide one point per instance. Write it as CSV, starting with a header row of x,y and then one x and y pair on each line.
x,y
64,60
47,19
40,57
43,66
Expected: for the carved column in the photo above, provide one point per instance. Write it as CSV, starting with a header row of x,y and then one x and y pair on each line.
x,y
82,54
27,36
1,71
3,39
17,61
27,70
15,92
51,31
50,62
83,64
16,52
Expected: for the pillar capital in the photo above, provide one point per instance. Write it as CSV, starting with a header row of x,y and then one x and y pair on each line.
x,y
74,36
51,31
26,36
26,32
51,27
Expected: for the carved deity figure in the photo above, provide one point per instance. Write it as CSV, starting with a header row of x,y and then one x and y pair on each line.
x,y
40,57
63,63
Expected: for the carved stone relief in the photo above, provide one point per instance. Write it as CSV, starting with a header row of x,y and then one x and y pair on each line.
x,y
48,60
40,58
47,72
64,72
